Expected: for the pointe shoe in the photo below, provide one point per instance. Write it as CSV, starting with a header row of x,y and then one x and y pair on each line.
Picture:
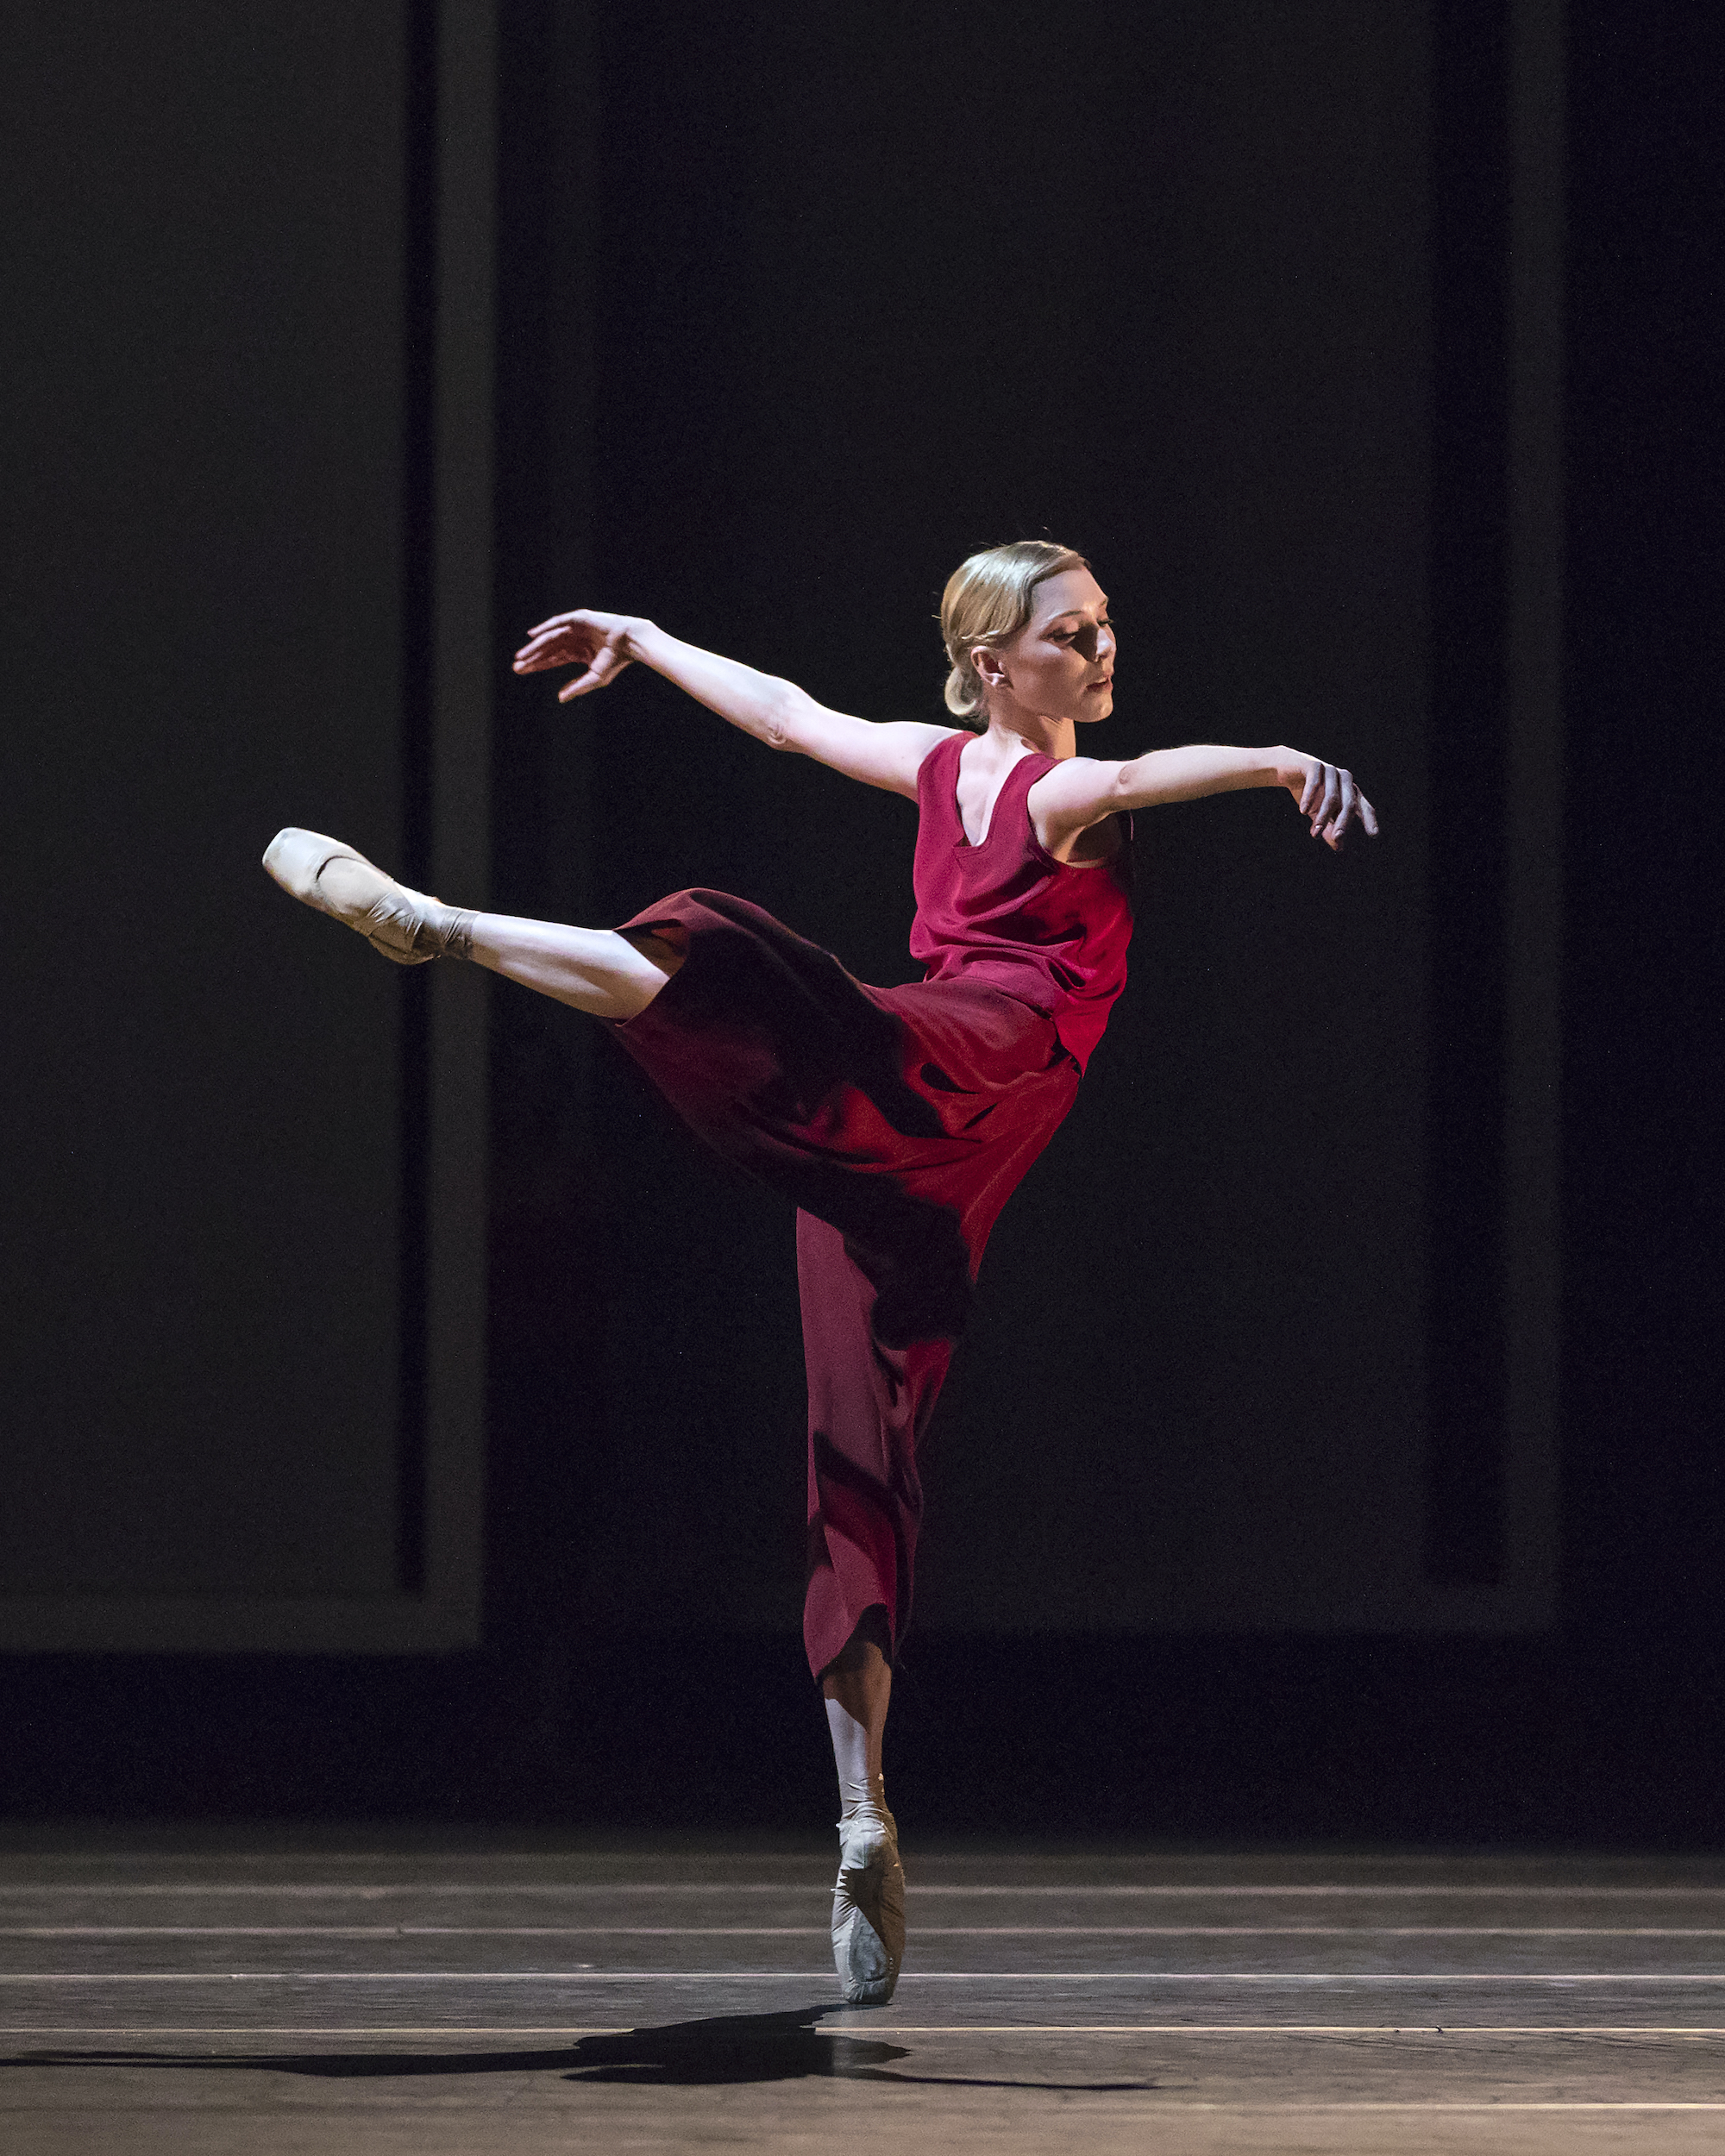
x,y
869,1910
403,926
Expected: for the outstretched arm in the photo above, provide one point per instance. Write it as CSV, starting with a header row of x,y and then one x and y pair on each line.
x,y
1083,790
774,712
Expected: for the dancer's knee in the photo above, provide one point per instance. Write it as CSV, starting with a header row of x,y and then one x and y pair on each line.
x,y
872,1641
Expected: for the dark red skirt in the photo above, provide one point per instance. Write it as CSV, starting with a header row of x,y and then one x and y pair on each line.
x,y
898,1121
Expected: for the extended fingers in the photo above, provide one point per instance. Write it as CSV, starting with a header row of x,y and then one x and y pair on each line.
x,y
554,643
1351,807
604,664
1325,809
1331,801
552,650
572,644
1344,809
557,621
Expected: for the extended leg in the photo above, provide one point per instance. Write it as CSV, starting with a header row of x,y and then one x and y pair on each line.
x,y
613,975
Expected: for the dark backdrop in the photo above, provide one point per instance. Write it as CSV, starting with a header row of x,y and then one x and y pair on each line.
x,y
202,562
1601,1727
845,340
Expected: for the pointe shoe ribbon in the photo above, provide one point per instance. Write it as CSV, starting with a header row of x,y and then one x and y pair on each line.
x,y
869,1910
403,926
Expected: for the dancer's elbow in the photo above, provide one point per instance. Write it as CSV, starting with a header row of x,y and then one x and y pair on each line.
x,y
791,719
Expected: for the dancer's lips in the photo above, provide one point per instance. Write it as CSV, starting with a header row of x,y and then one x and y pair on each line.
x,y
1107,683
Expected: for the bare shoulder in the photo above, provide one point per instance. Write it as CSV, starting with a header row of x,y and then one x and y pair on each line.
x,y
900,747
912,743
886,753
1078,789
1079,793
923,740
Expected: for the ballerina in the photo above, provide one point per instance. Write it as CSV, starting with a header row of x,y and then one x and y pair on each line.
x,y
899,1120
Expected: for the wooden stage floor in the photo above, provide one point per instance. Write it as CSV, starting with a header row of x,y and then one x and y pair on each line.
x,y
280,1993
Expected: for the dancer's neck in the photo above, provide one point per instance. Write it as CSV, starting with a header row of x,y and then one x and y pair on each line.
x,y
1014,731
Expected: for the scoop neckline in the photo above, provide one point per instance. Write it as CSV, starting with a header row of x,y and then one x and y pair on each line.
x,y
961,844
964,843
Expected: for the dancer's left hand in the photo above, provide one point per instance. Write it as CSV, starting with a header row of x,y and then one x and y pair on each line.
x,y
1328,797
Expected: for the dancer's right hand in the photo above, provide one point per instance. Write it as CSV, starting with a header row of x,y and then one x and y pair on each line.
x,y
598,641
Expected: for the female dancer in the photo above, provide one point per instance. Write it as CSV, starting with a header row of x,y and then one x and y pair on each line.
x,y
898,1120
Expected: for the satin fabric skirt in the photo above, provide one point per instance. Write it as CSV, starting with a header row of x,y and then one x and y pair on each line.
x,y
898,1121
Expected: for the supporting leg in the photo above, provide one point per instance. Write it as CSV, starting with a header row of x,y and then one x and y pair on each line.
x,y
869,1405
868,1899
858,1689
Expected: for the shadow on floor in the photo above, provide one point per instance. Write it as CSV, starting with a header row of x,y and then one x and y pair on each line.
x,y
720,2049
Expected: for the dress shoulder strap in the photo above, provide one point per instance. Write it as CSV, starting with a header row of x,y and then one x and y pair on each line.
x,y
937,774
1014,798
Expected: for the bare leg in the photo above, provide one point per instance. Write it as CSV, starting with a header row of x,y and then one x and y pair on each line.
x,y
610,975
859,1685
597,969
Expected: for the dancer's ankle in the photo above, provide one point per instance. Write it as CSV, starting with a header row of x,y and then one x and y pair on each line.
x,y
437,930
456,932
865,1802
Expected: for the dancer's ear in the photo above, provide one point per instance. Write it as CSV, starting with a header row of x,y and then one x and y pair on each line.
x,y
990,667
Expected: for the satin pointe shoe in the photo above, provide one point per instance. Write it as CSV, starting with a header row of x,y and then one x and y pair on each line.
x,y
869,1910
404,926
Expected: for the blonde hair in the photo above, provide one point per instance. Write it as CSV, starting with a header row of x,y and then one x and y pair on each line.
x,y
987,601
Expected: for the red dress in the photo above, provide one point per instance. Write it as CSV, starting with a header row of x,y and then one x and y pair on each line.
x,y
899,1120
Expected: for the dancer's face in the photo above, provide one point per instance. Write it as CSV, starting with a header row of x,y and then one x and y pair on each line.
x,y
1061,663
